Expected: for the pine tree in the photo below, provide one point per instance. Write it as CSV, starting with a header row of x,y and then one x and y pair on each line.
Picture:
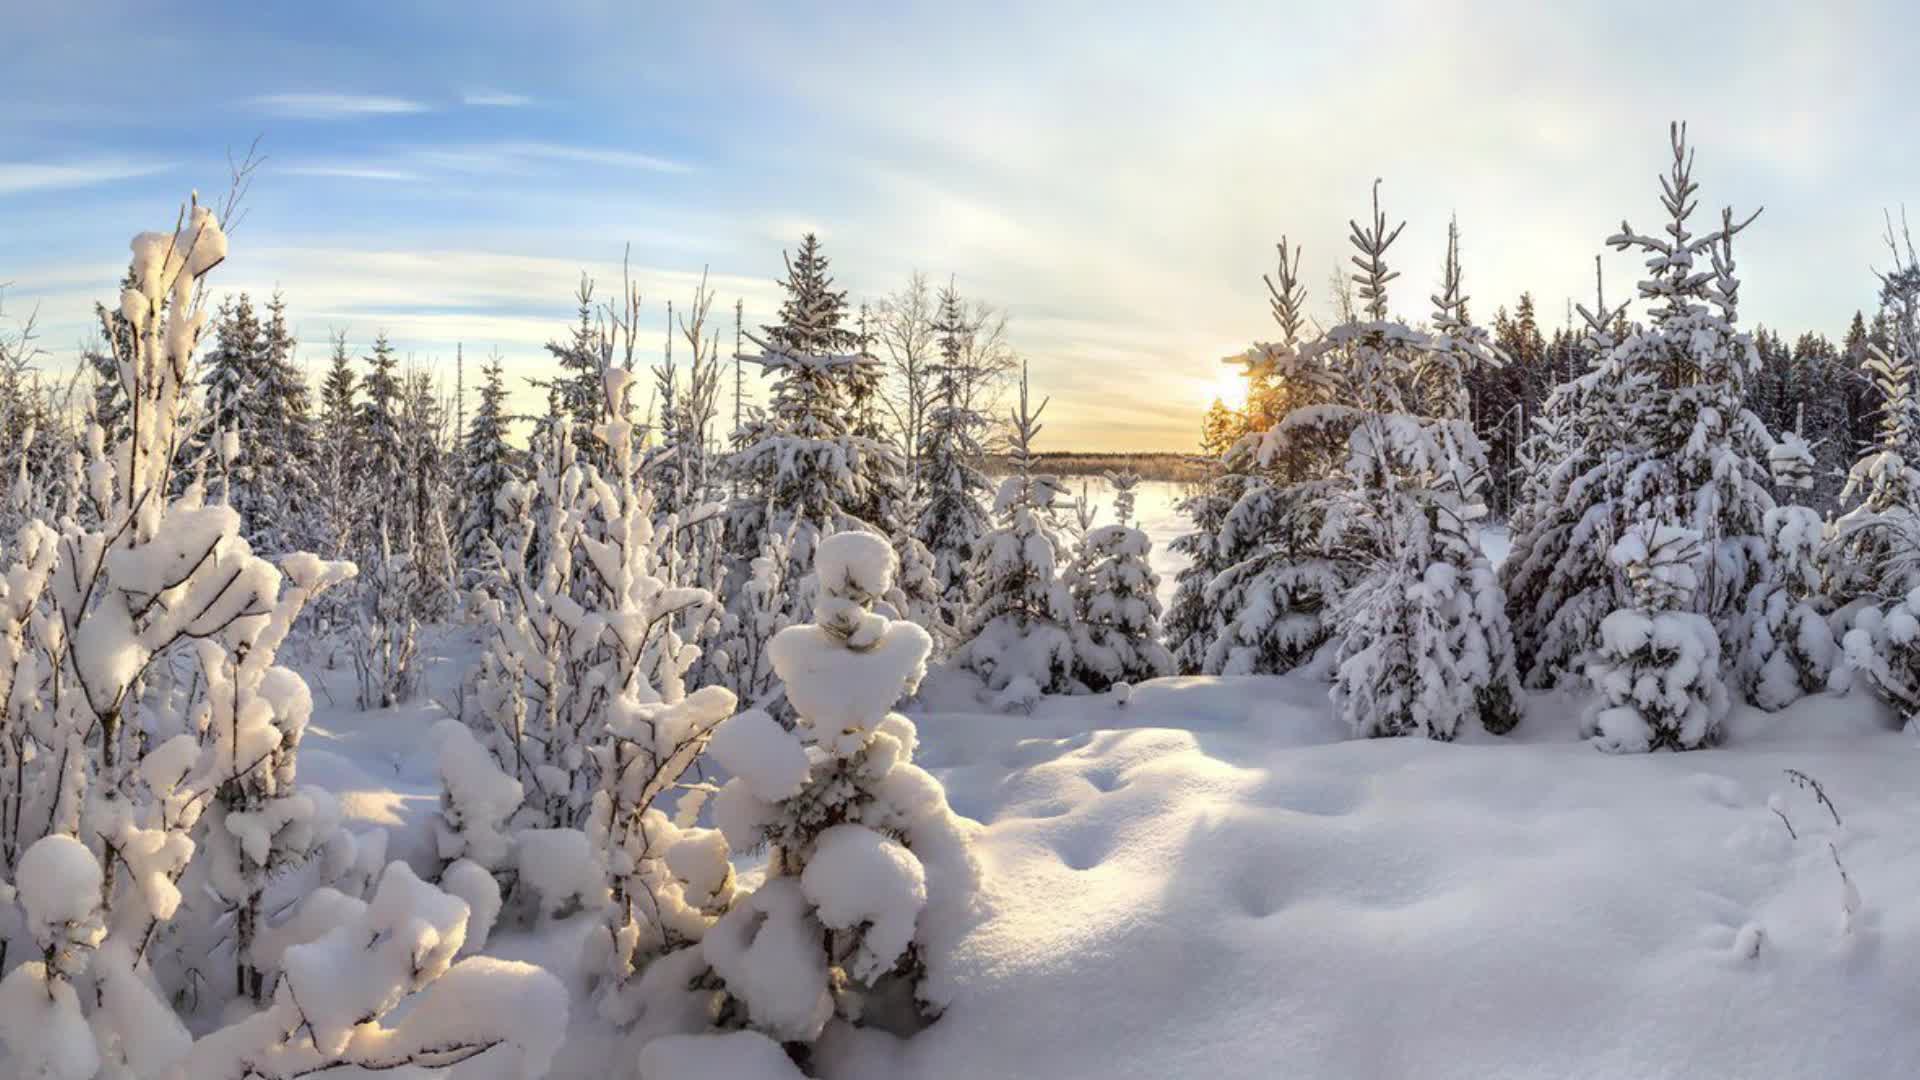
x,y
380,467
1116,609
488,459
338,441
1425,640
806,471
1657,667
1259,594
1704,465
1017,636
1558,581
865,859
954,517
1664,437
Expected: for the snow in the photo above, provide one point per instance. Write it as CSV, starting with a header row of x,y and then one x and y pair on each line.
x,y
761,754
737,1055
857,876
1213,880
59,883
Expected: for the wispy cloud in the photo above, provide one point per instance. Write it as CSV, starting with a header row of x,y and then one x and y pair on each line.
x,y
588,155
495,99
21,176
350,171
335,106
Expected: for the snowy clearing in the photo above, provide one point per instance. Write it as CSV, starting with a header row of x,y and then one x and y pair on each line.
x,y
1214,880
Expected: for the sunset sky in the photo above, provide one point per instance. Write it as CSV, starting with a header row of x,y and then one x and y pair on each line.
x,y
1113,175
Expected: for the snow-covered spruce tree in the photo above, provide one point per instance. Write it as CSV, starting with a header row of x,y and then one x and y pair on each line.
x,y
1116,610
1422,646
380,469
1705,463
808,472
869,871
129,787
1658,665
953,518
1874,556
1790,648
426,491
1017,636
1684,448
1266,607
488,459
757,611
1192,623
284,407
339,441
1573,506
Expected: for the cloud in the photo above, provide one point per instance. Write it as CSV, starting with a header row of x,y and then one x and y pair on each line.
x,y
335,106
350,171
587,155
22,176
495,99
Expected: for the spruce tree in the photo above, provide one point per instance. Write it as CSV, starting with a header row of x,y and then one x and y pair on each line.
x,y
1662,435
380,465
1017,635
954,517
1424,637
1259,594
338,440
807,472
1116,609
488,459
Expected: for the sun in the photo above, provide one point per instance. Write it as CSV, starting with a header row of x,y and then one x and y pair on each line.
x,y
1230,387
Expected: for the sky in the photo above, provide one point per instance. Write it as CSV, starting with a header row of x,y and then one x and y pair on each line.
x,y
1114,176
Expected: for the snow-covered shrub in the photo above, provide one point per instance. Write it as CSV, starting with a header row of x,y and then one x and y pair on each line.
x,y
758,610
151,784
1658,666
337,988
868,867
1021,608
385,636
1883,647
1790,647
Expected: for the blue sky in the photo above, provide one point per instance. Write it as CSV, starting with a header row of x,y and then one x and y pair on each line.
x,y
1114,175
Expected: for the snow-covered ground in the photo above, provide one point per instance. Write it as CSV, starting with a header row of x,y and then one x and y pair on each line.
x,y
1212,881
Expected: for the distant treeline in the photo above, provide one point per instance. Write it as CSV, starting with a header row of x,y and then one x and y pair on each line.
x,y
1178,468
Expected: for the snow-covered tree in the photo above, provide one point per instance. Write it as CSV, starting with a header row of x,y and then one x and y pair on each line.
x,y
1790,647
1664,436
488,459
953,516
1267,604
1116,609
1874,555
869,870
1424,642
339,440
1017,634
1658,665
151,777
1573,507
380,468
